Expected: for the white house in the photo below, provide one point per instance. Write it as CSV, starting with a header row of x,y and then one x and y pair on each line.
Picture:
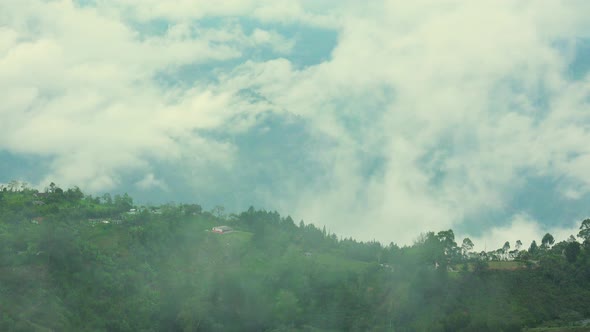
x,y
222,229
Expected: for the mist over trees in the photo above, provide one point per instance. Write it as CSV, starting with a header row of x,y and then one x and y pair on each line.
x,y
76,262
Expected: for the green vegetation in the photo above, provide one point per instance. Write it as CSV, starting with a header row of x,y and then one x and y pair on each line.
x,y
559,329
505,265
74,262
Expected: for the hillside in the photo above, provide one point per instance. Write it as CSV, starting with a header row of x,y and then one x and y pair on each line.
x,y
74,262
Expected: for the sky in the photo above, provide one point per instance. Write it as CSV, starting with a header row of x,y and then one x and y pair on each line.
x,y
379,119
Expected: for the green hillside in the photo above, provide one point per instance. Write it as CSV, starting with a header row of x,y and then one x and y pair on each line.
x,y
74,262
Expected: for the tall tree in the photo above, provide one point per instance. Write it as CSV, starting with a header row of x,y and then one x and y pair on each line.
x,y
585,230
547,241
533,248
505,249
447,239
571,251
467,245
123,203
74,194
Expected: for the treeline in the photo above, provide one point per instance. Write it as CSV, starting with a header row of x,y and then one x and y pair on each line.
x,y
74,262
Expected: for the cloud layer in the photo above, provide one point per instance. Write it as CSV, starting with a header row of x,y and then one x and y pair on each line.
x,y
421,116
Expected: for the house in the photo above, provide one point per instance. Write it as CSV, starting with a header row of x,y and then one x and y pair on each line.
x,y
37,220
222,229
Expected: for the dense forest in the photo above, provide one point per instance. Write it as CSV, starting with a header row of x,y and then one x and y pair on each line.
x,y
76,262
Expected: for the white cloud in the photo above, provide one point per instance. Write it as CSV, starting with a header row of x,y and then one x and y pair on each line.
x,y
78,86
462,101
465,78
273,39
150,181
269,11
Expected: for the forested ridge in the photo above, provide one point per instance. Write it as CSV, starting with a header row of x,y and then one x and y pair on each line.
x,y
76,262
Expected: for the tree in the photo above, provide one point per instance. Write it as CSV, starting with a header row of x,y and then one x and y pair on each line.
x,y
571,251
107,199
431,248
467,245
192,209
56,193
518,245
289,223
585,230
218,211
533,248
506,248
123,203
52,187
74,194
547,241
286,308
447,239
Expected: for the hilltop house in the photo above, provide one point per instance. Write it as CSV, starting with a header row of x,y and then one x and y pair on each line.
x,y
222,229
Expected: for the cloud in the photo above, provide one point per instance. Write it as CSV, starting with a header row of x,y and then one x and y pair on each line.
x,y
480,104
79,87
273,39
150,181
424,116
269,11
